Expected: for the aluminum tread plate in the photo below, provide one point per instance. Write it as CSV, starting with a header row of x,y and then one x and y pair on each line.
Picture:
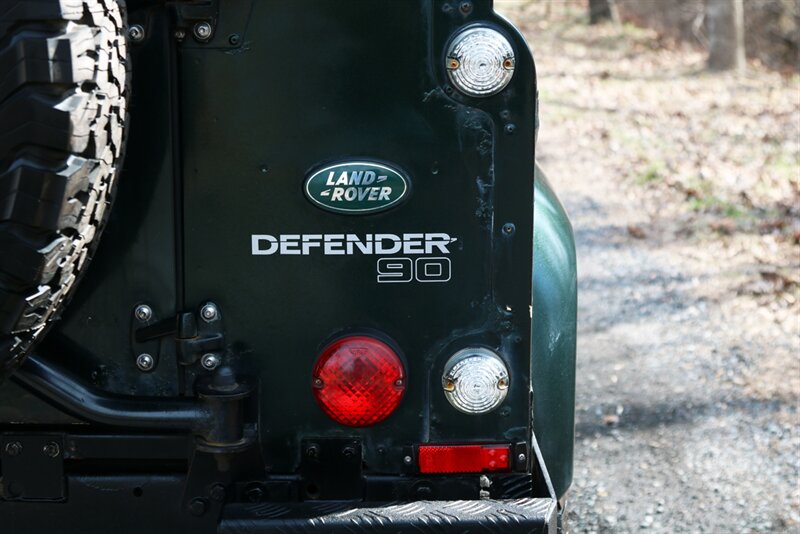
x,y
490,516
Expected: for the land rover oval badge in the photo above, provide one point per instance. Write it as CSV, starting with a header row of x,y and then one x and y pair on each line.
x,y
357,187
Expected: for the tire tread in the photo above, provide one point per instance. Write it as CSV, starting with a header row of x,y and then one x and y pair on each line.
x,y
63,104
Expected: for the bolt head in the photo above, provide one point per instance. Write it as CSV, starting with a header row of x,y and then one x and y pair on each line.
x,y
521,457
143,312
209,312
209,361
424,492
51,449
145,362
13,448
407,460
217,493
198,506
14,489
202,31
136,33
254,494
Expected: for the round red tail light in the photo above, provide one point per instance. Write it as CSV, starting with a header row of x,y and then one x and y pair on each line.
x,y
358,381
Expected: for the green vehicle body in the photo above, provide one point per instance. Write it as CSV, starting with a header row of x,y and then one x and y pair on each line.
x,y
553,350
195,174
555,313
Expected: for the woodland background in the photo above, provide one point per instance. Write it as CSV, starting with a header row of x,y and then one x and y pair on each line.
x,y
671,131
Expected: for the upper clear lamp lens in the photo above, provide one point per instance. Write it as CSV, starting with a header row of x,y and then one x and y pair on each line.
x,y
480,61
475,380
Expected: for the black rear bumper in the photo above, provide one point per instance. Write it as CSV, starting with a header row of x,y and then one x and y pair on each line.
x,y
537,515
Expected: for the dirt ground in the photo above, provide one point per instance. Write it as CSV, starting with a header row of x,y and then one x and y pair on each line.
x,y
684,190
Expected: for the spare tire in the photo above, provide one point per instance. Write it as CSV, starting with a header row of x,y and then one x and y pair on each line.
x,y
63,95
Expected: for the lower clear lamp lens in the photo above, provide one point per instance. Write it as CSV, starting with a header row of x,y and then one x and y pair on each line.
x,y
480,61
475,380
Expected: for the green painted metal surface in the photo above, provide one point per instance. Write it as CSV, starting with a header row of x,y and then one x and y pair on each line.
x,y
211,162
255,123
555,307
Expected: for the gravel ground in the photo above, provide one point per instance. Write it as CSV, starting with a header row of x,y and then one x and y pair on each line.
x,y
668,436
689,336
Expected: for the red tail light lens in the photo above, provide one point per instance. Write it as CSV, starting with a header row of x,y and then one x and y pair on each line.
x,y
358,381
463,458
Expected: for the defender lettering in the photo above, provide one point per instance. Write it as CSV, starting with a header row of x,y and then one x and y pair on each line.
x,y
350,244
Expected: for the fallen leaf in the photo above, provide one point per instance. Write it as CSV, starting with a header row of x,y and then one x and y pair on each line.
x,y
610,419
636,232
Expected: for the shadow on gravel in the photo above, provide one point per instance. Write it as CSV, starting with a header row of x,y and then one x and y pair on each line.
x,y
607,236
643,416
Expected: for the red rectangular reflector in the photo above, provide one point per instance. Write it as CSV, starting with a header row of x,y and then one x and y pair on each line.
x,y
463,458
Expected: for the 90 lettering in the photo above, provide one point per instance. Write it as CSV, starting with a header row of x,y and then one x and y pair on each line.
x,y
405,270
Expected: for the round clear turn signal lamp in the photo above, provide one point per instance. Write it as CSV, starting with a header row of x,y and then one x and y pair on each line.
x,y
475,380
358,381
480,61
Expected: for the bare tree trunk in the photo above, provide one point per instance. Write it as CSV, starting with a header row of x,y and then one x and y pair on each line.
x,y
726,34
602,10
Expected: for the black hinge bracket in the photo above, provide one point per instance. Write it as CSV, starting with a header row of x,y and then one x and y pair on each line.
x,y
196,18
331,469
33,467
192,340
